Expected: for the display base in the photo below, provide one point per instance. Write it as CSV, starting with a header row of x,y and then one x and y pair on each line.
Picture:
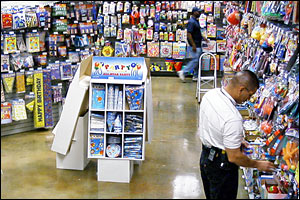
x,y
115,170
76,158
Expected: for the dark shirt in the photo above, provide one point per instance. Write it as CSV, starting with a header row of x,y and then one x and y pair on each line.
x,y
193,27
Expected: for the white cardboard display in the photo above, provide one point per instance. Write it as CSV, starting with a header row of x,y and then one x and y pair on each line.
x,y
76,158
115,170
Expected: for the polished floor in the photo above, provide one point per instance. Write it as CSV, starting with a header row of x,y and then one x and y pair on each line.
x,y
170,169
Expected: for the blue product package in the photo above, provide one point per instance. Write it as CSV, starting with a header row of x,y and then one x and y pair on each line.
x,y
134,97
97,145
98,97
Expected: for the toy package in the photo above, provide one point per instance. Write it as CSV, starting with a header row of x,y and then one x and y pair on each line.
x,y
74,56
97,145
98,96
166,49
57,93
75,68
60,25
122,49
7,20
10,43
42,36
47,98
217,9
209,47
33,42
179,50
8,82
20,43
5,63
27,60
38,89
221,34
62,51
31,19
210,19
153,49
134,95
2,93
16,61
59,10
20,82
6,115
29,77
19,21
211,30
208,7
221,46
18,110
66,71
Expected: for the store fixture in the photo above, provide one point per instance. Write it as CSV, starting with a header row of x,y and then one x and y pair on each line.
x,y
265,41
117,115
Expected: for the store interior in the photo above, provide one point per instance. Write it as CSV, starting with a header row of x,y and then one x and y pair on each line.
x,y
92,106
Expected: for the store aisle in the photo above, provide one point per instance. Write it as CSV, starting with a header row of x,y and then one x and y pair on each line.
x,y
170,169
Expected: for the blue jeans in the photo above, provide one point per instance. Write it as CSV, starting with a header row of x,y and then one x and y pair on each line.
x,y
194,63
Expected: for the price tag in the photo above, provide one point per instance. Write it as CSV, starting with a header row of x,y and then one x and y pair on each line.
x,y
92,34
22,31
72,36
62,17
57,61
77,49
56,33
34,31
45,53
11,32
75,22
65,32
45,29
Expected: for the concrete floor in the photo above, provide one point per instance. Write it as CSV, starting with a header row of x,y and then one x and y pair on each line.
x,y
170,169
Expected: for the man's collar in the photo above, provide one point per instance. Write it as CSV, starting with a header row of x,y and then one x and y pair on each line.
x,y
228,96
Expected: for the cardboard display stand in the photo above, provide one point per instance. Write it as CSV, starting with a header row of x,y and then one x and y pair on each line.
x,y
76,158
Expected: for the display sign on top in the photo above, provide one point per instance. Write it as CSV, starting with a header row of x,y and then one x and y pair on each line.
x,y
119,68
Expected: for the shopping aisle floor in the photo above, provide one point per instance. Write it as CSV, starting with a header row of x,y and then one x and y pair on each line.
x,y
170,169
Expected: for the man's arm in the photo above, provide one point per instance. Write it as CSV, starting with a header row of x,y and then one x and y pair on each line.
x,y
237,157
192,42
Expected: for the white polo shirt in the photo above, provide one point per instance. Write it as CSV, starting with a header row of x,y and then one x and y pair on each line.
x,y
220,123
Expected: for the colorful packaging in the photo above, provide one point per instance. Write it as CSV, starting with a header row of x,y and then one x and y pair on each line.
x,y
2,93
66,71
10,43
97,145
19,21
33,42
39,118
179,50
8,82
166,49
153,49
7,20
47,98
20,82
134,95
6,115
5,63
18,110
98,96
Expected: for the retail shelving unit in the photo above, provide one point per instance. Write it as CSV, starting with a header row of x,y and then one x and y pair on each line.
x,y
117,125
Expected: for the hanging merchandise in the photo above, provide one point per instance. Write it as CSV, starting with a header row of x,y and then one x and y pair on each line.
x,y
208,7
221,46
107,50
211,46
47,90
112,8
122,49
125,19
31,19
66,71
20,43
8,81
210,19
33,42
127,7
6,115
19,21
2,93
29,77
18,110
234,18
179,50
57,93
10,43
5,66
39,120
120,6
220,34
166,49
217,10
135,15
149,34
59,10
29,101
7,20
153,49
211,30
16,61
20,82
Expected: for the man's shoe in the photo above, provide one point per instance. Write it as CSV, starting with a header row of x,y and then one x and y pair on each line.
x,y
181,75
195,79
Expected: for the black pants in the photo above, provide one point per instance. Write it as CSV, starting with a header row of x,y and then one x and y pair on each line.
x,y
220,181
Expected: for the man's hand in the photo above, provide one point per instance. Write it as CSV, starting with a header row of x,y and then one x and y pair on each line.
x,y
194,48
265,166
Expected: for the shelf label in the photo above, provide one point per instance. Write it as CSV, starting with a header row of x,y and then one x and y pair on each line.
x,y
125,68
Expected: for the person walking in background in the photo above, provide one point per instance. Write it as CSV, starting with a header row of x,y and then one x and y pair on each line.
x,y
221,133
195,38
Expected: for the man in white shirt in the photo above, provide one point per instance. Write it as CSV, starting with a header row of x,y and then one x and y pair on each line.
x,y
221,134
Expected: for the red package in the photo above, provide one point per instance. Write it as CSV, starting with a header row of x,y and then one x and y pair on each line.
x,y
7,20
